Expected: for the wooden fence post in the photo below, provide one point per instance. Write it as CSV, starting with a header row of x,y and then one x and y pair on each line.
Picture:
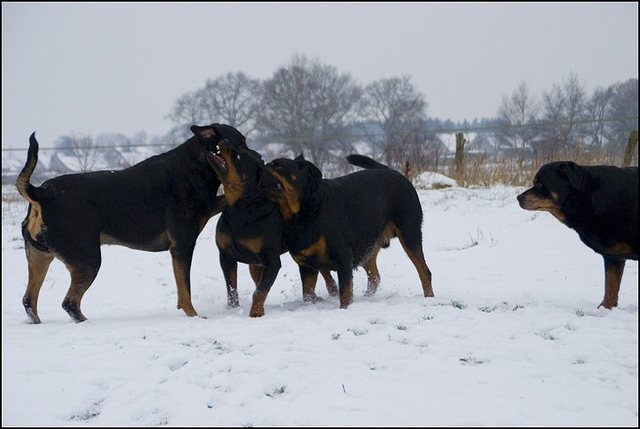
x,y
631,148
458,162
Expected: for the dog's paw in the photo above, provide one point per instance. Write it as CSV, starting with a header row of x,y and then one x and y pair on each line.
x,y
312,299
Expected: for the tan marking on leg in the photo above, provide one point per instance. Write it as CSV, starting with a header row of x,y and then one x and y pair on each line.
x,y
332,287
257,304
346,294
181,274
81,280
373,275
309,286
613,277
256,273
38,263
417,258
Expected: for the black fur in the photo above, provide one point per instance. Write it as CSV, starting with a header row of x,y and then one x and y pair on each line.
x,y
161,203
342,223
600,203
250,229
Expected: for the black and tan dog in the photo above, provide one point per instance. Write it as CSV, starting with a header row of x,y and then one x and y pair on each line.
x,y
161,203
250,229
342,223
600,203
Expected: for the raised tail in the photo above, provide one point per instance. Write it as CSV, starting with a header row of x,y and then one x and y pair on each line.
x,y
364,162
26,189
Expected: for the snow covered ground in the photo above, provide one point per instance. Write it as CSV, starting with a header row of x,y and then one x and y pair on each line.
x,y
513,336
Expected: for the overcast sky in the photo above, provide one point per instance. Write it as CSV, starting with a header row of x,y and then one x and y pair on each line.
x,y
93,68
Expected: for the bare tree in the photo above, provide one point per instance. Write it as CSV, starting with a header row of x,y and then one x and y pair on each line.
x,y
597,109
515,111
399,108
624,109
85,152
186,111
308,106
232,99
564,107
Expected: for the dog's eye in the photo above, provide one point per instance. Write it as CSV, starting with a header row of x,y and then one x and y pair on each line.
x,y
238,157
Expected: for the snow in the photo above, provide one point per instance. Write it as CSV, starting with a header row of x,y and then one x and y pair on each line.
x,y
513,336
432,180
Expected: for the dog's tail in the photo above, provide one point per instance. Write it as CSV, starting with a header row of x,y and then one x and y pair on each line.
x,y
26,189
364,162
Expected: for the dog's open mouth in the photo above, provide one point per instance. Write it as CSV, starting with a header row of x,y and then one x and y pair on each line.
x,y
217,162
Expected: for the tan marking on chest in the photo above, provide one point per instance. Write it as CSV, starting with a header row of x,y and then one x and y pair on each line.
x,y
621,248
317,250
223,240
253,244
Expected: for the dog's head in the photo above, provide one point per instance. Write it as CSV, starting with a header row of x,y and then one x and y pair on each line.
x,y
288,183
238,168
552,186
211,135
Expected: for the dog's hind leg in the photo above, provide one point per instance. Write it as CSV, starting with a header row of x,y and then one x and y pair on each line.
x,y
411,240
309,277
613,269
332,287
373,275
83,271
38,262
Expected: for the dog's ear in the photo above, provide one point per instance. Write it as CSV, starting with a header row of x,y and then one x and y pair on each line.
x,y
205,133
299,157
575,174
310,168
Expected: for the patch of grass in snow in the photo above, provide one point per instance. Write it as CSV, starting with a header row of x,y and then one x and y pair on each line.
x,y
470,360
92,412
357,331
458,304
276,391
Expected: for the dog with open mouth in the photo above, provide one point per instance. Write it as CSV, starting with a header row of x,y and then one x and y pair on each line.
x,y
340,224
161,203
250,229
600,203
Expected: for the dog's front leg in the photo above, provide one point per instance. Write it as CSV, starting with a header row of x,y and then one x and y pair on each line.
x,y
229,267
345,282
613,269
269,274
309,277
181,260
